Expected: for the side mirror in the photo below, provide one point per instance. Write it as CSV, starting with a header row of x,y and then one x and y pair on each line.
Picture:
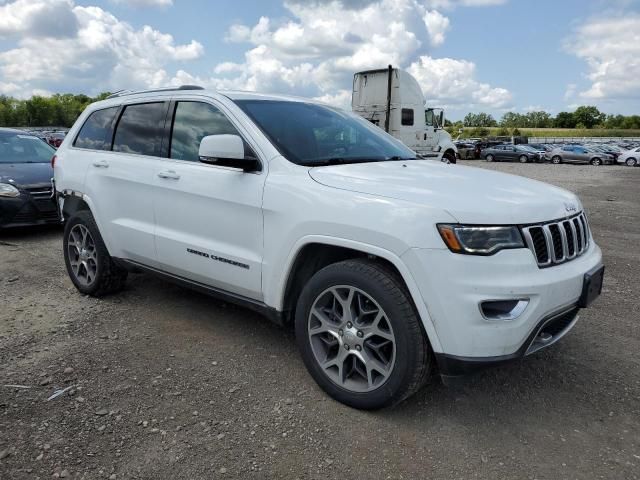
x,y
227,151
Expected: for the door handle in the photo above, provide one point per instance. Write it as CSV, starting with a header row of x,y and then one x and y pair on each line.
x,y
169,175
101,164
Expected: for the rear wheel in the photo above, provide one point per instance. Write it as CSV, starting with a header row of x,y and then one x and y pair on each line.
x,y
631,162
596,161
524,159
556,160
90,267
489,158
360,337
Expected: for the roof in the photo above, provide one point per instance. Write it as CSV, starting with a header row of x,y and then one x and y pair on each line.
x,y
14,130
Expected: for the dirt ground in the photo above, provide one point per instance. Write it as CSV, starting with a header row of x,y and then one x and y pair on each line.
x,y
170,384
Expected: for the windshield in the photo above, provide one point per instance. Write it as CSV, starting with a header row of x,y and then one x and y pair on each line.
x,y
313,135
18,148
527,148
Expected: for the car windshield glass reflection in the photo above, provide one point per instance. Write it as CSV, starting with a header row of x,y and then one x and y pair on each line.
x,y
17,148
313,135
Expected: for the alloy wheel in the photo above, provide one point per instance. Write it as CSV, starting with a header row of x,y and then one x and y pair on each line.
x,y
351,338
631,162
83,256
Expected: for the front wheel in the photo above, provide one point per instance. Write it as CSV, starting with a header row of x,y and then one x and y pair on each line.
x,y
596,162
449,157
489,158
360,337
90,267
556,160
524,159
631,162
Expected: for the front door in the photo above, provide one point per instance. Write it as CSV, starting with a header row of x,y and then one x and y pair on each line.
x,y
209,223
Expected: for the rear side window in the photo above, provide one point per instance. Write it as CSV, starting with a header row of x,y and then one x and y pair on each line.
x,y
407,116
140,129
96,132
192,122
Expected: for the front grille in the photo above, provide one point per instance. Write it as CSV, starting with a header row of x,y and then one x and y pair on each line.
x,y
558,242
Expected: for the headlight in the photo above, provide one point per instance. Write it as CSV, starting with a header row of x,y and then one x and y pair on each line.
x,y
478,240
7,190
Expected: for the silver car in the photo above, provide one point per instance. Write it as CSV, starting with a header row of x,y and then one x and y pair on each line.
x,y
578,154
631,158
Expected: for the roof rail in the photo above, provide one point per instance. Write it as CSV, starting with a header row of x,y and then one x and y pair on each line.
x,y
122,93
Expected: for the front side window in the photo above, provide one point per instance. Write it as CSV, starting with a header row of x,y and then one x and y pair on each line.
x,y
18,148
312,135
192,122
407,116
140,129
96,132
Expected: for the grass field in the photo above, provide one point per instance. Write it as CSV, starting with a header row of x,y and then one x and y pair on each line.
x,y
563,132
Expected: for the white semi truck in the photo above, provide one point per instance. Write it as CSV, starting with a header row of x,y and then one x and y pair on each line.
x,y
392,99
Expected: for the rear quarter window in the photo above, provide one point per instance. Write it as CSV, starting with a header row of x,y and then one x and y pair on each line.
x,y
97,130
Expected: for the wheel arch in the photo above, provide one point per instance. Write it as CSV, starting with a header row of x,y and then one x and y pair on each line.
x,y
314,253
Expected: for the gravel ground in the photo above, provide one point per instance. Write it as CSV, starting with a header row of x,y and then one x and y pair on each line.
x,y
167,383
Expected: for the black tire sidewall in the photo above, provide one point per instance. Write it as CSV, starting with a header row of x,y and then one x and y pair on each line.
x,y
407,353
526,159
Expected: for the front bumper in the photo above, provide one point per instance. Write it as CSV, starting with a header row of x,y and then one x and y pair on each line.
x,y
453,286
34,206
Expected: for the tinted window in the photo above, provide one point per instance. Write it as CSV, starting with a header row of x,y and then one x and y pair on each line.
x,y
407,116
567,149
192,122
140,129
309,134
97,130
18,148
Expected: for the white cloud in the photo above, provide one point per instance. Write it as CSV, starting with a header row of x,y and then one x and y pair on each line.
x,y
317,51
611,49
452,83
103,53
144,3
313,51
437,25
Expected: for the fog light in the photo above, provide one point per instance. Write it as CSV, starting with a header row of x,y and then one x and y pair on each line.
x,y
503,309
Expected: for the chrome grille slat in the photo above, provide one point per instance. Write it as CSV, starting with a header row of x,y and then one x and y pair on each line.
x,y
574,237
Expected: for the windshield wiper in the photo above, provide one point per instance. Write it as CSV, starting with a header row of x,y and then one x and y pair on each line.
x,y
340,161
398,158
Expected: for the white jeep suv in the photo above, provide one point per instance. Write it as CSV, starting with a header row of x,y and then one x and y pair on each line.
x,y
389,267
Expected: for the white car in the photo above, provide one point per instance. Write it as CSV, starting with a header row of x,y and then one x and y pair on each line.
x,y
631,158
387,266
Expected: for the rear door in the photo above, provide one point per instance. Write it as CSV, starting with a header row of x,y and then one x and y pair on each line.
x,y
209,226
120,181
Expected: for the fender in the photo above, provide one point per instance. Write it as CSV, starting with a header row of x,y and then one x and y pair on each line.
x,y
275,298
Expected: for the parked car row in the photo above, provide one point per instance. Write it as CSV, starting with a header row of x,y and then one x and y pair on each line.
x,y
53,138
588,153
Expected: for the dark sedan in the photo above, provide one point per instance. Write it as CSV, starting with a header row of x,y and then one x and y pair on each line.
x,y
511,153
25,180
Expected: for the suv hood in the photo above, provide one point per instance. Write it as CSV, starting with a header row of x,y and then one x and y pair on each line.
x,y
472,195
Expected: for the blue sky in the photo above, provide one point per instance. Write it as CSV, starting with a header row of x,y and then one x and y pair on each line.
x,y
468,55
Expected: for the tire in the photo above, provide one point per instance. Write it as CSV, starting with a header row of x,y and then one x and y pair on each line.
x,y
631,162
489,158
89,265
556,160
346,340
523,159
449,158
596,162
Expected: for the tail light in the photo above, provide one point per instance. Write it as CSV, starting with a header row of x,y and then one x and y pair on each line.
x,y
53,161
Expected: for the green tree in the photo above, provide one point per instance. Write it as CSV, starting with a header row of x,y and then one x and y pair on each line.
x,y
479,120
589,116
565,120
